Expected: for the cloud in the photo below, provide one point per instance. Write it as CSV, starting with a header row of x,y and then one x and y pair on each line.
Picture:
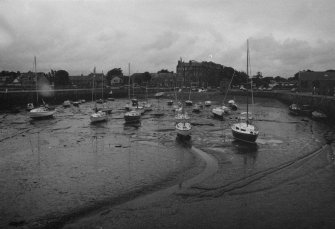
x,y
285,36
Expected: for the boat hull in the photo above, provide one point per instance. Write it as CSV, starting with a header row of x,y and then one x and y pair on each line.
x,y
39,114
245,137
107,110
183,129
188,103
98,117
131,117
208,103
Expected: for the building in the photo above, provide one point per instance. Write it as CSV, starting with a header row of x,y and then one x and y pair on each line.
x,y
87,81
163,79
322,83
199,74
116,81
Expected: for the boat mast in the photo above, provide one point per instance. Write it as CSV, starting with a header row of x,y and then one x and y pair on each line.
x,y
248,79
93,92
129,81
93,84
224,99
102,87
36,79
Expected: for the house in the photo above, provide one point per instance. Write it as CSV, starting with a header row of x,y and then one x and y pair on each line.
x,y
322,83
82,81
117,81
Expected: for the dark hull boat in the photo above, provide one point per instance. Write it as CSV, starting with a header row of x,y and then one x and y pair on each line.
x,y
294,109
188,103
132,117
244,132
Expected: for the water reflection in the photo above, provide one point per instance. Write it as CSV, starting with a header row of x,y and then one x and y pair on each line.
x,y
132,125
245,148
184,141
42,121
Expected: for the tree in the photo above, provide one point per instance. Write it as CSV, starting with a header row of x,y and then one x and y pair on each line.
x,y
146,77
62,78
163,71
112,73
279,79
240,78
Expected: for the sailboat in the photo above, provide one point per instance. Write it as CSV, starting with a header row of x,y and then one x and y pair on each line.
x,y
98,115
170,102
30,106
189,101
244,131
146,105
177,106
196,108
232,105
220,112
107,110
133,115
42,111
208,103
158,112
182,126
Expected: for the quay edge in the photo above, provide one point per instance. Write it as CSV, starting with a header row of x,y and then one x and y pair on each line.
x,y
17,98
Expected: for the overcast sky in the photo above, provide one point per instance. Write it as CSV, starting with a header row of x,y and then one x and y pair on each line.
x,y
285,36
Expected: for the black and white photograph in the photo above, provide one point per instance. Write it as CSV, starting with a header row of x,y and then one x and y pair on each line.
x,y
186,114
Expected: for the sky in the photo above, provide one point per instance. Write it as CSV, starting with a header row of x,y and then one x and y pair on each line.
x,y
285,36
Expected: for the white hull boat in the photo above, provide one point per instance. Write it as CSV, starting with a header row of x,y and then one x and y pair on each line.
x,y
196,108
66,103
243,116
41,112
188,103
147,106
30,106
183,129
318,115
220,111
232,105
99,116
181,116
208,103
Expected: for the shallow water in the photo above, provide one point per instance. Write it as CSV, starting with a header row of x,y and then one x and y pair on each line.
x,y
52,168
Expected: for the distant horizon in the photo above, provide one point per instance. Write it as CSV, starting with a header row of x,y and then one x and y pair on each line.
x,y
105,72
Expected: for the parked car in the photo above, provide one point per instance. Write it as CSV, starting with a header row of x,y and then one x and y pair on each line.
x,y
293,90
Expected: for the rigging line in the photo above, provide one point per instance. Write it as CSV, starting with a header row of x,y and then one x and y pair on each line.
x,y
249,71
224,99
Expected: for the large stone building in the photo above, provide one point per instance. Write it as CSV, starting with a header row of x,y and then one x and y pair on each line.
x,y
167,79
322,83
199,74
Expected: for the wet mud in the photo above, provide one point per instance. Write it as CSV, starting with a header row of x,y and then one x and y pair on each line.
x,y
63,169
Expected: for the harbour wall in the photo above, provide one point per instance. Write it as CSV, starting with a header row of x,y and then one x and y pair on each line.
x,y
18,98
317,102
